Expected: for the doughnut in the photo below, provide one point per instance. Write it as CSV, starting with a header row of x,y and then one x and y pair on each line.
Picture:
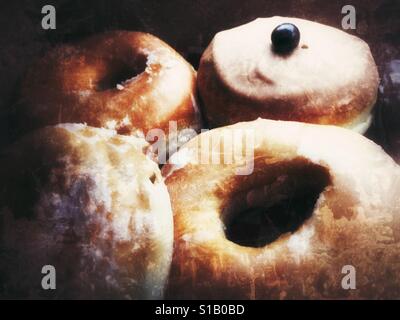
x,y
88,202
130,82
318,199
257,70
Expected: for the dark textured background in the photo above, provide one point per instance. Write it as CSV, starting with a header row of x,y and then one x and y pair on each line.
x,y
189,25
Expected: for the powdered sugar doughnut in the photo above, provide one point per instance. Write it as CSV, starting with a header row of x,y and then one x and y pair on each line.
x,y
90,203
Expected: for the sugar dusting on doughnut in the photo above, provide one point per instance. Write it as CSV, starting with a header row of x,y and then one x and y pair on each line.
x,y
91,196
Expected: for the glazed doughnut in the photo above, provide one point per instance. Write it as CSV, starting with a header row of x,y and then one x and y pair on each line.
x,y
130,82
90,203
317,199
329,78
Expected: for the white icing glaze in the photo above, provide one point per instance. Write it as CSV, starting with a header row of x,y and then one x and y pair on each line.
x,y
332,61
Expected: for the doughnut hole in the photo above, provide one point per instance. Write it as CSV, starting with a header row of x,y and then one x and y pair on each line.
x,y
275,200
121,72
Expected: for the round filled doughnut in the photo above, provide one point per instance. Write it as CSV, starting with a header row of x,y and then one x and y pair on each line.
x,y
130,82
318,201
89,203
288,69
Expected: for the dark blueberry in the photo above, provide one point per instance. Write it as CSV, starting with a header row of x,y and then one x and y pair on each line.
x,y
285,38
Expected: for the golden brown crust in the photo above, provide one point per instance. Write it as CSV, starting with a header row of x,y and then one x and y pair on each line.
x,y
127,81
355,221
88,202
330,78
